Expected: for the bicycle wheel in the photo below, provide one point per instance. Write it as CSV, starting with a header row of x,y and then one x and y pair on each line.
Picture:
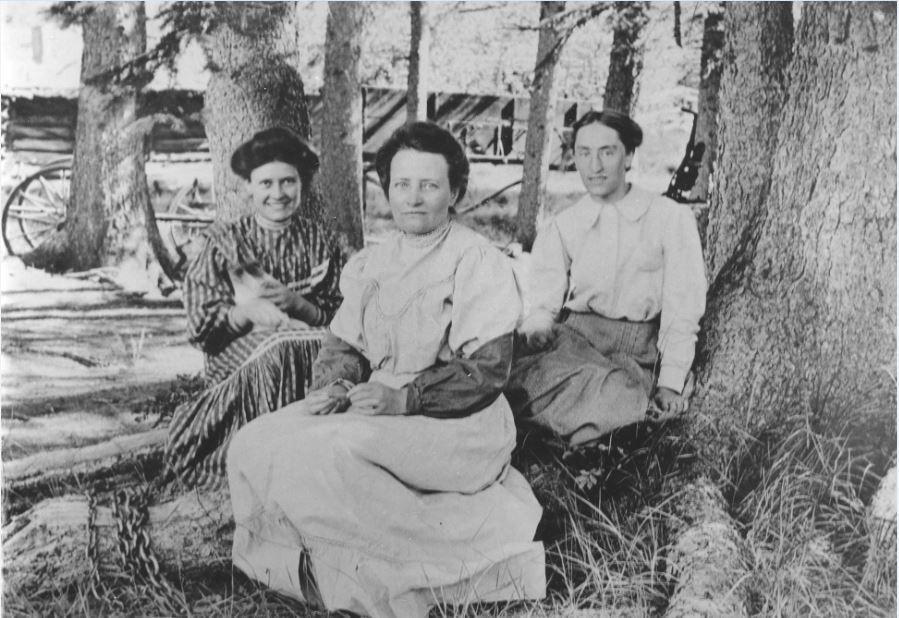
x,y
36,208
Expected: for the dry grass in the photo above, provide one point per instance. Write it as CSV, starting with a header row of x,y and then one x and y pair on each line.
x,y
800,505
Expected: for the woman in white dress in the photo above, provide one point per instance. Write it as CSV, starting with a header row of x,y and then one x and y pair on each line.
x,y
389,488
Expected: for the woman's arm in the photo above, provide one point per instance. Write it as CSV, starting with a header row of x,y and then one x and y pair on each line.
x,y
463,385
208,300
338,361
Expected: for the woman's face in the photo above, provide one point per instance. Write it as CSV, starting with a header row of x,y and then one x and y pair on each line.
x,y
275,189
419,192
602,161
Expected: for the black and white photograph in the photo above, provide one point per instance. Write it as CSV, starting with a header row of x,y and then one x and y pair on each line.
x,y
448,309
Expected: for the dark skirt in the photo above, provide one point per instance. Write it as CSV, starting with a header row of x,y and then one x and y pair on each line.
x,y
597,376
258,373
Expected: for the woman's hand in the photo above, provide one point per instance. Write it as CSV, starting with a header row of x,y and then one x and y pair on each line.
x,y
257,312
539,331
292,303
374,399
331,399
668,402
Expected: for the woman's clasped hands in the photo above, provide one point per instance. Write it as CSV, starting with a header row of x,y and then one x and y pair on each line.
x,y
368,398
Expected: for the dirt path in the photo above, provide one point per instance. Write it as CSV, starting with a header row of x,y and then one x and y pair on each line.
x,y
81,361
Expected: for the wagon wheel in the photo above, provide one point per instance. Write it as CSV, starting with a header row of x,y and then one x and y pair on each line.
x,y
36,208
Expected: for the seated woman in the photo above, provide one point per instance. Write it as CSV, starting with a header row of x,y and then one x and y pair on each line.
x,y
253,295
617,288
389,488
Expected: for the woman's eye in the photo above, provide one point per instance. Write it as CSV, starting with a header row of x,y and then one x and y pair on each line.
x,y
430,186
401,184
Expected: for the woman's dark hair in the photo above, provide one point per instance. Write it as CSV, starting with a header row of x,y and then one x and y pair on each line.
x,y
425,137
275,144
629,132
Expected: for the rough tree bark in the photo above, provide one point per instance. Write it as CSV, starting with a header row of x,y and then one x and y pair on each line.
x,y
710,67
341,166
625,57
419,62
758,38
109,219
47,547
254,84
802,313
542,113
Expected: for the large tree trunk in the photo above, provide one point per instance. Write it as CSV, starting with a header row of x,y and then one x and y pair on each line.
x,y
710,67
802,314
341,169
625,57
419,62
254,84
541,115
758,39
109,217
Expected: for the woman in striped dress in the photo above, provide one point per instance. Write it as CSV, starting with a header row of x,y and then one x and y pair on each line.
x,y
257,296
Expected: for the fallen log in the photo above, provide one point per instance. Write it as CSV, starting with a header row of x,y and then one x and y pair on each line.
x,y
707,558
81,465
49,546
879,574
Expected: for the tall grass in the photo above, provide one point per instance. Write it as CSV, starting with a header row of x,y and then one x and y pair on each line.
x,y
804,524
799,501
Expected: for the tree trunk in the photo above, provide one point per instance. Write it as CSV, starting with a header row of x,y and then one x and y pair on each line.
x,y
710,67
109,218
758,38
341,166
541,115
419,63
626,57
254,84
802,316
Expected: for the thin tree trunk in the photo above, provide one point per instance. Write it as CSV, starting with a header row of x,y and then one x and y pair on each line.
x,y
709,85
531,201
758,39
419,62
254,84
802,317
341,167
625,57
109,213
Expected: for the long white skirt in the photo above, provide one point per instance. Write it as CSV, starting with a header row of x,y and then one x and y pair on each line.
x,y
396,513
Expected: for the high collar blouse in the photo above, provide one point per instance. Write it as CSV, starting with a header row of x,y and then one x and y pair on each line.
x,y
637,259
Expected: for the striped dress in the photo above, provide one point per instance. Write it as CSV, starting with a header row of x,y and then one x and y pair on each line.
x,y
255,372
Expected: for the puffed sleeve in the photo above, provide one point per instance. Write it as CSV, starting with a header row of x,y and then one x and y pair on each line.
x,y
548,280
486,309
684,289
341,356
208,296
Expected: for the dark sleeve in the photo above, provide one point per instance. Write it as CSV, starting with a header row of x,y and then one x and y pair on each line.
x,y
338,360
462,386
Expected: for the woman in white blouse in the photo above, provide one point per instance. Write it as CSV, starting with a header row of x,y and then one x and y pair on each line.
x,y
389,488
617,288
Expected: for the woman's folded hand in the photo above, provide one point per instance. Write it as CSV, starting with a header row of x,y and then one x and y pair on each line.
x,y
375,399
256,313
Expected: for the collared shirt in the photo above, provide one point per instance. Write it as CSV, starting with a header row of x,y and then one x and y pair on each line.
x,y
636,259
